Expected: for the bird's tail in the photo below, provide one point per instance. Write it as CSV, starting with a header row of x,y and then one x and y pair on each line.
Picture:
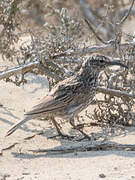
x,y
17,125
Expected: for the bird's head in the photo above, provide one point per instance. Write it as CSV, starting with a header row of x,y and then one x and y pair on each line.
x,y
100,62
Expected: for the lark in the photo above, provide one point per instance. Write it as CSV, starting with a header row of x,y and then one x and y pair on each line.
x,y
70,96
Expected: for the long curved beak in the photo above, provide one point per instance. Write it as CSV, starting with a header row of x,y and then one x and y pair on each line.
x,y
117,63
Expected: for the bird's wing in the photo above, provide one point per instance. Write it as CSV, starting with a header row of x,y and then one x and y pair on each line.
x,y
51,103
57,99
48,104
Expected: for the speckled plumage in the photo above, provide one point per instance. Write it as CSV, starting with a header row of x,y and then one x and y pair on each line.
x,y
71,95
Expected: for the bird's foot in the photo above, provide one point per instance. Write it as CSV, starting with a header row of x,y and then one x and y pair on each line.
x,y
82,138
86,136
63,136
79,128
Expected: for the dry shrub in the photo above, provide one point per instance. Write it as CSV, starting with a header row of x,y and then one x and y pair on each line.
x,y
52,45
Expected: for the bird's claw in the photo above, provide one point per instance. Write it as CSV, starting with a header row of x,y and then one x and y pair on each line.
x,y
63,136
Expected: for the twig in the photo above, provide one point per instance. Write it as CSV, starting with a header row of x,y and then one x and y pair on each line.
x,y
115,92
125,11
7,148
48,73
93,49
114,76
19,69
89,19
88,147
27,67
97,36
32,136
89,15
128,13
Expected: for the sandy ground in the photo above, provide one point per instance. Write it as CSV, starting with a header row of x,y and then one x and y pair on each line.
x,y
17,162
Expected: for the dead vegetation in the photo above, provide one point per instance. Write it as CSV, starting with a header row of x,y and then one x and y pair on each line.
x,y
59,43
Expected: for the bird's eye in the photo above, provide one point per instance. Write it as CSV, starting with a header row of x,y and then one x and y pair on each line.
x,y
101,61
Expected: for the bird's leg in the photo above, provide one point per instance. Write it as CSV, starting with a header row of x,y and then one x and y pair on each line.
x,y
59,131
80,126
79,129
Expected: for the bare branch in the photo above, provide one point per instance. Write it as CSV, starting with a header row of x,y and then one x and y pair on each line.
x,y
125,11
114,92
50,74
90,16
93,49
97,36
128,13
27,67
19,69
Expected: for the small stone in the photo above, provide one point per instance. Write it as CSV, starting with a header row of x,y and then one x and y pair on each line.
x,y
25,173
4,176
102,175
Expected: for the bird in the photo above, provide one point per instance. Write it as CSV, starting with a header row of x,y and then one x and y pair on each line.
x,y
70,96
